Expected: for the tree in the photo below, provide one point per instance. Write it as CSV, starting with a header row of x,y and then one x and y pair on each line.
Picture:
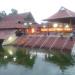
x,y
29,17
13,12
2,14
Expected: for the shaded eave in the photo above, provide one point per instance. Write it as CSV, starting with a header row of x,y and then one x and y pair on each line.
x,y
63,20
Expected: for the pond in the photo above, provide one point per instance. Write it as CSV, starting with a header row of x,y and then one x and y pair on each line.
x,y
25,61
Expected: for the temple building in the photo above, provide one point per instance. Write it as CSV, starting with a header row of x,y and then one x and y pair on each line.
x,y
61,21
54,35
11,23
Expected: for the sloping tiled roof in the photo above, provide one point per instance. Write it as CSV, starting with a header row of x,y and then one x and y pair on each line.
x,y
63,15
10,25
16,21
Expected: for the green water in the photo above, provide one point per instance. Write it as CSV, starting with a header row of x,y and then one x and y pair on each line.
x,y
23,61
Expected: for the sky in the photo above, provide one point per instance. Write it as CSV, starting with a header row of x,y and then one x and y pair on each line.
x,y
40,9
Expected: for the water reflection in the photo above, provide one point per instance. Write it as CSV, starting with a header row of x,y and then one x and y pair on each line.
x,y
10,50
18,56
34,62
23,57
61,59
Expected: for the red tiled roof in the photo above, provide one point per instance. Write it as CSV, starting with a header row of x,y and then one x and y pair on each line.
x,y
45,42
10,25
62,15
11,21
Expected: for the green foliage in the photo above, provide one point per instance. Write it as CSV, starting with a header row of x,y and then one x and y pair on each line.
x,y
2,14
13,12
29,17
24,59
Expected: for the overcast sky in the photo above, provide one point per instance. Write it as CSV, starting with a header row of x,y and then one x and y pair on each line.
x,y
40,9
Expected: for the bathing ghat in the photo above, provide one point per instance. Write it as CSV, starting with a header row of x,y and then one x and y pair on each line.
x,y
46,42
